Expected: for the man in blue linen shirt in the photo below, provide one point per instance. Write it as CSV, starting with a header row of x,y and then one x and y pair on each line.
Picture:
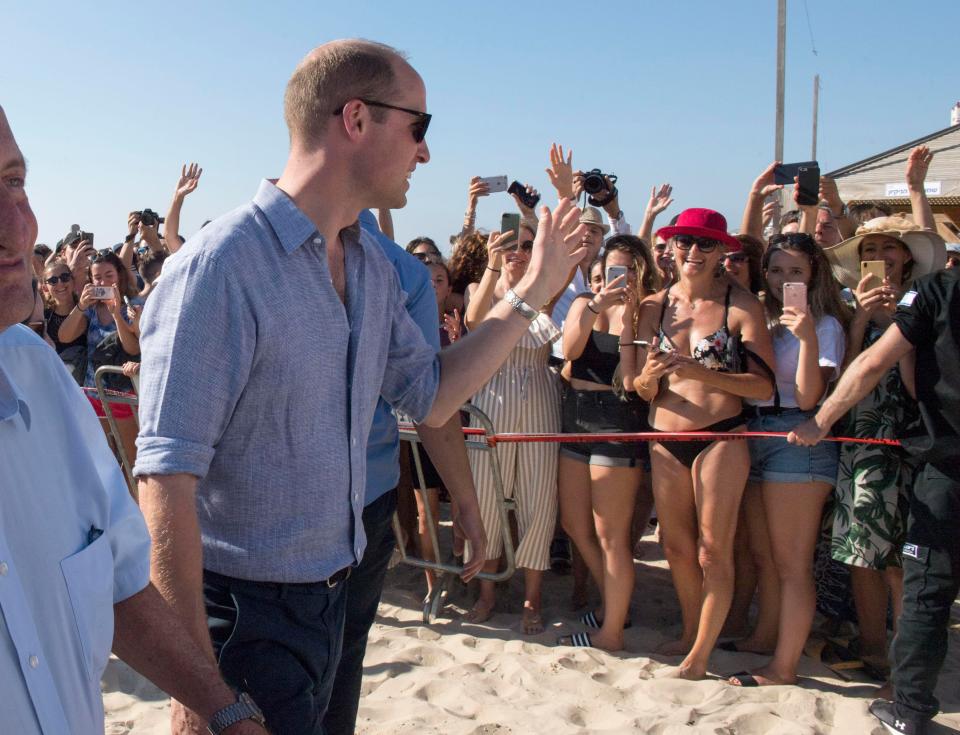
x,y
265,348
448,453
74,550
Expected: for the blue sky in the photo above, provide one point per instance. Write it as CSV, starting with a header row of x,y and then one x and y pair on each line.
x,y
108,99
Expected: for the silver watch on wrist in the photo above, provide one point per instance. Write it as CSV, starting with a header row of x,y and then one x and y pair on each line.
x,y
520,306
243,709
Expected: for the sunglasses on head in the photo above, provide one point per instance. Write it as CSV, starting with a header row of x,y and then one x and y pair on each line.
x,y
800,240
419,128
704,245
62,278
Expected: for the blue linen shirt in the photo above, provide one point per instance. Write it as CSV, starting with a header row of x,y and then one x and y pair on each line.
x,y
72,543
258,380
383,445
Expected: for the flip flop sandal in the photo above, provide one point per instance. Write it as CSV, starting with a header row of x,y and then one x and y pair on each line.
x,y
576,640
592,621
745,678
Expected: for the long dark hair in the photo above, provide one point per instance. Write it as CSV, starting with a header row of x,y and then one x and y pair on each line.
x,y
124,280
752,247
823,291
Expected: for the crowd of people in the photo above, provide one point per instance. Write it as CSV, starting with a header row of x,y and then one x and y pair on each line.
x,y
570,322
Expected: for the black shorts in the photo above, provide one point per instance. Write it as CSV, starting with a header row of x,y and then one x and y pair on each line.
x,y
595,412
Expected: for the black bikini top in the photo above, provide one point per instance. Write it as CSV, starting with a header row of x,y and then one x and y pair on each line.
x,y
599,359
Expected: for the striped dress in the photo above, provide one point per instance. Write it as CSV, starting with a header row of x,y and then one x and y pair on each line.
x,y
522,396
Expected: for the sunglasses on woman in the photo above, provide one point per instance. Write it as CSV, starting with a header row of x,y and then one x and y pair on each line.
x,y
686,242
428,258
526,246
736,258
62,278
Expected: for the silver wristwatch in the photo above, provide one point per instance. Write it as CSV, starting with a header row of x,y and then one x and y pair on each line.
x,y
520,306
243,709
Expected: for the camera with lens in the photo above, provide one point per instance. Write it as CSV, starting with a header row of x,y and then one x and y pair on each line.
x,y
595,182
149,218
81,236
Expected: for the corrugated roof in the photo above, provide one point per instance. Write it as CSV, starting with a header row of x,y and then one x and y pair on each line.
x,y
854,167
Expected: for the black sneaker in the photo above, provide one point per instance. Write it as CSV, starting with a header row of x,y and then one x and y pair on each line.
x,y
883,710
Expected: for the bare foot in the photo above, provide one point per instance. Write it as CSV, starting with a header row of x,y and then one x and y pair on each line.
x,y
683,671
480,612
675,648
761,678
532,622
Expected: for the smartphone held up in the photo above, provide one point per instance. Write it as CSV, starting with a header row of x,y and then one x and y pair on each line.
x,y
795,296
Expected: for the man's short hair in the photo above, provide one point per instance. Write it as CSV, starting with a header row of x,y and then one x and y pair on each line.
x,y
863,211
332,75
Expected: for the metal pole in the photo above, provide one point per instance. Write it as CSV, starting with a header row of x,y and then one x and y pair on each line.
x,y
816,108
781,66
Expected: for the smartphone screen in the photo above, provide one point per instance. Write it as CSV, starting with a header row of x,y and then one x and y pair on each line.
x,y
615,271
876,269
495,183
808,182
795,296
510,221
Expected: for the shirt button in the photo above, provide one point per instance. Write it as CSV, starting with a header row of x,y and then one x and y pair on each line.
x,y
34,662
318,241
4,568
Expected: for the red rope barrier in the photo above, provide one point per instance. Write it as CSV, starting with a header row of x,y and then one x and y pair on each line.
x,y
643,436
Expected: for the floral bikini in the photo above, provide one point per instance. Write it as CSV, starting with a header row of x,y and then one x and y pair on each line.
x,y
717,351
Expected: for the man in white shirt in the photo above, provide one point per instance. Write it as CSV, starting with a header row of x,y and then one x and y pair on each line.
x,y
74,549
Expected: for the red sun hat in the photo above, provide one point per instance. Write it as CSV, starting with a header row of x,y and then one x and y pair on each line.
x,y
703,223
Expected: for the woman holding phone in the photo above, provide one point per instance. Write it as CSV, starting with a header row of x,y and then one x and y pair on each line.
x,y
873,482
598,482
788,485
708,348
522,396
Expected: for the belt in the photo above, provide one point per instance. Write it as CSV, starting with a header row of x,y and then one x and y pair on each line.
x,y
755,411
282,587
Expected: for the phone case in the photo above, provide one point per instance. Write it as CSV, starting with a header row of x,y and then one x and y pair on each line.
x,y
875,268
614,272
495,183
795,296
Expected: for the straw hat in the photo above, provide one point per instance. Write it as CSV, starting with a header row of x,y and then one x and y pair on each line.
x,y
591,216
926,248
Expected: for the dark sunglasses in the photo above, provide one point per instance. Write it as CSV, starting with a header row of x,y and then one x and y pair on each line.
x,y
428,258
62,278
526,246
686,242
419,128
736,258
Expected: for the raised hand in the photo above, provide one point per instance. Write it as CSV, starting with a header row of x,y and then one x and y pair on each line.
x,y
477,189
556,251
133,222
79,256
800,323
561,171
189,178
917,165
870,300
659,200
452,325
525,211
496,244
612,293
829,193
763,185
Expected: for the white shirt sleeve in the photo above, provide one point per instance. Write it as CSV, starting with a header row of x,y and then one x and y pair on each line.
x,y
833,344
620,226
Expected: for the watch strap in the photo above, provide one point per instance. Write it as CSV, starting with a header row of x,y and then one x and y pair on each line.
x,y
243,709
520,306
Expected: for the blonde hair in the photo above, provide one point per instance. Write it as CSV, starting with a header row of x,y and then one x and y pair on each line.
x,y
332,75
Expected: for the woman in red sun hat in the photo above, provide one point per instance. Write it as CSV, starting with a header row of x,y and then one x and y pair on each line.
x,y
703,346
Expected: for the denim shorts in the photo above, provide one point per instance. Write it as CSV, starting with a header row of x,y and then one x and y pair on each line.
x,y
776,460
589,412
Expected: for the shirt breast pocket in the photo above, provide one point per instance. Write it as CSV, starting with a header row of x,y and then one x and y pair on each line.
x,y
89,578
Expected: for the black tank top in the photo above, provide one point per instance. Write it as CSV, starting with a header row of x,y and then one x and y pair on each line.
x,y
599,359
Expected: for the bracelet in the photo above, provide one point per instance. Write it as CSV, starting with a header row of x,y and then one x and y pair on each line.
x,y
590,306
497,271
520,306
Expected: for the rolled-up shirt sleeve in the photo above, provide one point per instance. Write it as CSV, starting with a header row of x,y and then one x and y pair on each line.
x,y
412,373
198,341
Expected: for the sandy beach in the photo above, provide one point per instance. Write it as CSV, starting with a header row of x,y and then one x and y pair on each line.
x,y
460,679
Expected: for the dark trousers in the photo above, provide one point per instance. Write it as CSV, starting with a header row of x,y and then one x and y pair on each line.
x,y
931,579
280,643
362,592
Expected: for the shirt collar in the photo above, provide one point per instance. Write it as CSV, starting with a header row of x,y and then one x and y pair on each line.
x,y
12,401
292,227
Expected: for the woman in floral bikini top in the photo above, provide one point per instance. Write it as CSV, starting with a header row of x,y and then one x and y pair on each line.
x,y
696,384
